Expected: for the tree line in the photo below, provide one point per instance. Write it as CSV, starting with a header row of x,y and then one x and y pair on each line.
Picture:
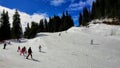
x,y
55,24
101,9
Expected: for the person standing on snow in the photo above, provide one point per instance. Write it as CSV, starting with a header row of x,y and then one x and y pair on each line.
x,y
23,51
4,46
92,42
40,48
29,53
18,49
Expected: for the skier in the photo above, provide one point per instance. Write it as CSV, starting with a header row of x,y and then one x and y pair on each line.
x,y
4,46
59,34
29,53
92,42
23,51
18,49
40,48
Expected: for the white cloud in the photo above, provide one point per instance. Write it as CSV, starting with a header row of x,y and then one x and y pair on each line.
x,y
80,5
77,6
37,17
25,18
90,2
57,2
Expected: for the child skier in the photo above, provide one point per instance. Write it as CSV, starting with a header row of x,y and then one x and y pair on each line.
x,y
92,42
18,49
40,48
23,51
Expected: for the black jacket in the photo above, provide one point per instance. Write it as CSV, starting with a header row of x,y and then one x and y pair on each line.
x,y
29,51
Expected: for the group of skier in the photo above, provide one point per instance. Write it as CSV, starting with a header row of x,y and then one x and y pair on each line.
x,y
24,52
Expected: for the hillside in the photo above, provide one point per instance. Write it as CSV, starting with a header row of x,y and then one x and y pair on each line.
x,y
72,49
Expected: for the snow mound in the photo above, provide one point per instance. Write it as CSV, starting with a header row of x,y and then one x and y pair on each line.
x,y
105,30
99,29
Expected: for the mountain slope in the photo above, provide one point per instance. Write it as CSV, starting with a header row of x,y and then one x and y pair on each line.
x,y
72,49
25,18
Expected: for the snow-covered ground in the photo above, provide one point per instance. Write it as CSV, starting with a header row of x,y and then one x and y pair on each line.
x,y
70,50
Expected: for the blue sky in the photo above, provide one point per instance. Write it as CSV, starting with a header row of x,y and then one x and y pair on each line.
x,y
49,7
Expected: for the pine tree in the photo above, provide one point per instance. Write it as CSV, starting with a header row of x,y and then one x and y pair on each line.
x,y
69,20
5,31
27,31
62,26
33,30
85,17
80,19
93,11
51,25
46,26
41,26
17,28
105,8
66,21
56,23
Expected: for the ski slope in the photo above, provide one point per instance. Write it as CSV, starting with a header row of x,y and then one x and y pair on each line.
x,y
70,50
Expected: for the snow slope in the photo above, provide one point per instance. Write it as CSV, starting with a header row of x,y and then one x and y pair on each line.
x,y
70,50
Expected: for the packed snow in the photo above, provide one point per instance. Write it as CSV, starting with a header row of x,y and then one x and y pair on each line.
x,y
67,49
